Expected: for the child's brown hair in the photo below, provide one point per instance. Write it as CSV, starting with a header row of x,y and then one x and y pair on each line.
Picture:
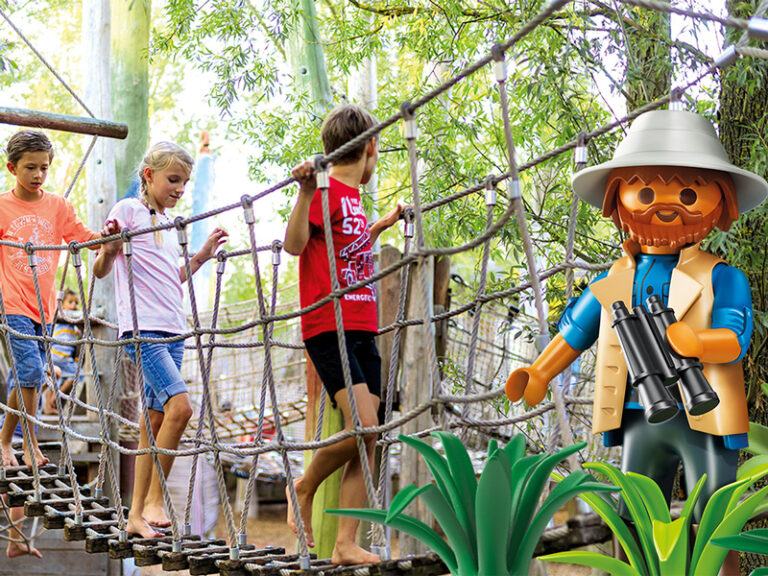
x,y
28,141
341,125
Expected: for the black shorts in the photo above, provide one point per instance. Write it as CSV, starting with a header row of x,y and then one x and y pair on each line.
x,y
364,360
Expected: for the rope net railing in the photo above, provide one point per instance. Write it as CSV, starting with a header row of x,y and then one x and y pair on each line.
x,y
246,367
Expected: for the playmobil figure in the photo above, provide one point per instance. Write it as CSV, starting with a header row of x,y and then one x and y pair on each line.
x,y
668,185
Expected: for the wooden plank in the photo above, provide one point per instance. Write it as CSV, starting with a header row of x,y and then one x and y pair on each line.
x,y
63,122
212,563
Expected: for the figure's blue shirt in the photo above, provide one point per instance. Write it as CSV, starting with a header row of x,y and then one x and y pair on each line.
x,y
732,308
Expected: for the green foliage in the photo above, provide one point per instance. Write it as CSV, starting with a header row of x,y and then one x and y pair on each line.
x,y
663,548
492,523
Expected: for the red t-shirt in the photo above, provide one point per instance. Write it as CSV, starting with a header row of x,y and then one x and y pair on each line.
x,y
354,262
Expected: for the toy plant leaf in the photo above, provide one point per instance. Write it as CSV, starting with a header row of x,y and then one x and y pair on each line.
x,y
492,508
652,497
607,511
759,572
410,526
730,526
637,510
758,439
403,498
671,540
755,465
463,474
442,473
571,486
754,541
693,497
593,560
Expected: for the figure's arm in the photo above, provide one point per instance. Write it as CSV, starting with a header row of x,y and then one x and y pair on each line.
x,y
212,244
299,229
579,326
109,250
728,338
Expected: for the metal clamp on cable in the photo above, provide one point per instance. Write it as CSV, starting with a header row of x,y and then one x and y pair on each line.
x,y
176,546
500,68
490,190
29,248
304,562
78,519
322,173
221,261
247,203
410,128
580,153
757,28
242,539
187,529
727,57
123,536
181,229
277,248
385,553
408,216
74,251
98,492
513,189
234,553
675,99
127,248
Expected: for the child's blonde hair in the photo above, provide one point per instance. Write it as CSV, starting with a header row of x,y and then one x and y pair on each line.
x,y
160,156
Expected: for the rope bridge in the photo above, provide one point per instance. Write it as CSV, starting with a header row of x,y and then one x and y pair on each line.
x,y
53,492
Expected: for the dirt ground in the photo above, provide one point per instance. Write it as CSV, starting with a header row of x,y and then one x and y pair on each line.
x,y
270,529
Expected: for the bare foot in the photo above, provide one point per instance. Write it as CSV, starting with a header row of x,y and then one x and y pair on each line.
x,y
39,458
49,406
346,554
9,458
305,506
20,549
155,516
141,528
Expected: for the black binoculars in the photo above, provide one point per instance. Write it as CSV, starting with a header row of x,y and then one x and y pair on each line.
x,y
653,365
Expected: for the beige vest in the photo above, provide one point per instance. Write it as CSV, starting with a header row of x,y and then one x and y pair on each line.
x,y
691,297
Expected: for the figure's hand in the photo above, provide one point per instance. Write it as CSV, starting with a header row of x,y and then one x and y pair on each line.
x,y
391,217
527,382
111,227
215,239
305,175
684,340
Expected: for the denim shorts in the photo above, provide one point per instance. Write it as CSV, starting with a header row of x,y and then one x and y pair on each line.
x,y
28,355
161,363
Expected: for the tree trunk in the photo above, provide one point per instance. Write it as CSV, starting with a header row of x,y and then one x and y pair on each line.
x,y
130,85
743,101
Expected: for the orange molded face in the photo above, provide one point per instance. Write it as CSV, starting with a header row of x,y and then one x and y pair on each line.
x,y
670,204
668,215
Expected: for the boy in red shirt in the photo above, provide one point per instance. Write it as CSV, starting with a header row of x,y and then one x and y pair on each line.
x,y
352,241
28,214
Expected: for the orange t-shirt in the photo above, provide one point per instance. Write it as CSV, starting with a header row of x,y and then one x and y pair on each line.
x,y
48,221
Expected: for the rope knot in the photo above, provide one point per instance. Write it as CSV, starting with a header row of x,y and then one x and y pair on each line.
x,y
29,248
74,247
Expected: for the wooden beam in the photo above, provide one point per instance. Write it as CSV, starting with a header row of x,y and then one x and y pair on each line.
x,y
63,122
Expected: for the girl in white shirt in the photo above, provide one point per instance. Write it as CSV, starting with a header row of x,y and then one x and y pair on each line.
x,y
157,280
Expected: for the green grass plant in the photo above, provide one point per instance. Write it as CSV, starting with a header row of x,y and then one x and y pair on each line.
x,y
493,523
662,547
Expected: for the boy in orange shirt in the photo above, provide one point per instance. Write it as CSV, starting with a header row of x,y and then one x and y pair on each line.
x,y
28,214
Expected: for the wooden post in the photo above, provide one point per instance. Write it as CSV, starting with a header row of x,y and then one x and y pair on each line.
x,y
324,526
417,389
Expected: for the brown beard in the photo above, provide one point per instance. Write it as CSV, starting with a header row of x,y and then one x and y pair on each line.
x,y
693,227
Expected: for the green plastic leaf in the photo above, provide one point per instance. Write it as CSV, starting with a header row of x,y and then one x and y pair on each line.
x,y
493,445
754,541
759,572
492,508
755,465
515,447
442,473
651,494
593,560
402,499
574,484
671,540
463,546
408,525
606,510
730,526
463,474
693,497
758,439
713,514
637,511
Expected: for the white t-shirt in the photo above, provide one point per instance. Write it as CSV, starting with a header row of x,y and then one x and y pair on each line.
x,y
157,287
